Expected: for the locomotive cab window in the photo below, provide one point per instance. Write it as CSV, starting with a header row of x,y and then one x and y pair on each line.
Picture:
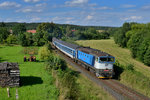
x,y
103,59
111,59
107,59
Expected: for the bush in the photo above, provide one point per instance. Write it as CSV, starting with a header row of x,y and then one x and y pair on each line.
x,y
11,39
44,53
54,63
130,67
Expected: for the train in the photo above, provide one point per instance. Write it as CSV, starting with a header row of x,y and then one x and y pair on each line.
x,y
96,61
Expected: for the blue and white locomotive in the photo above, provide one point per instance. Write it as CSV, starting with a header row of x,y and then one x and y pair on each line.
x,y
96,61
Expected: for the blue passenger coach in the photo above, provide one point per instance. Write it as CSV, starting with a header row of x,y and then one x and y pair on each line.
x,y
67,48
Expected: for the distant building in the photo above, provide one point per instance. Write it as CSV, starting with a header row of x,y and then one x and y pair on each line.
x,y
11,31
31,31
73,30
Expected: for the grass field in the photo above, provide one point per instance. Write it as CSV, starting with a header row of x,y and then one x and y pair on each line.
x,y
37,84
123,55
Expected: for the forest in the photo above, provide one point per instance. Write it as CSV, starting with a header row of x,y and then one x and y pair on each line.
x,y
136,37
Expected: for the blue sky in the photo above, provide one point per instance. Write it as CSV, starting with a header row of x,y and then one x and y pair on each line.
x,y
79,12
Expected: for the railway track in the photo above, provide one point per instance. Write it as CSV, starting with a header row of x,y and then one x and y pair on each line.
x,y
114,87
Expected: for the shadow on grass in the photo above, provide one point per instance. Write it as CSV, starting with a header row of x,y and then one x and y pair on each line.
x,y
75,73
30,80
2,60
118,70
39,61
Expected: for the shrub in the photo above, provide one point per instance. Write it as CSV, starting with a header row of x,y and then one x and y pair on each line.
x,y
11,39
54,62
44,53
130,67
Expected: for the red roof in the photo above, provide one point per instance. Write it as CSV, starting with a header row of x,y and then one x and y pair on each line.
x,y
73,30
31,31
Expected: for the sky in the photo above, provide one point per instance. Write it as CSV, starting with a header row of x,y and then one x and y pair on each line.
x,y
78,12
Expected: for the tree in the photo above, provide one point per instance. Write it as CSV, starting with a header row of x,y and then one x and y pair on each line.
x,y
69,32
19,29
147,57
3,34
135,42
120,35
22,40
11,39
29,38
143,48
49,30
38,39
2,24
44,53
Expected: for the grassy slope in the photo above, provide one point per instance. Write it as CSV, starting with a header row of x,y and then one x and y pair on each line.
x,y
90,90
122,55
37,84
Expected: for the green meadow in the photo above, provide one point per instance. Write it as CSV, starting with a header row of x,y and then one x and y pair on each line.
x,y
36,83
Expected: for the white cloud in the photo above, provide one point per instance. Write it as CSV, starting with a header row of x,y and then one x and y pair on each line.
x,y
35,19
128,6
103,8
147,7
40,5
29,10
70,22
33,9
62,18
89,17
66,20
76,2
8,4
131,18
31,1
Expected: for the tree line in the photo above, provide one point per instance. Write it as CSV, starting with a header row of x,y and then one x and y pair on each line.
x,y
45,31
30,26
136,37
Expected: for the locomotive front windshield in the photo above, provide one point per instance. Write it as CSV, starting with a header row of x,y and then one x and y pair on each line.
x,y
106,59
